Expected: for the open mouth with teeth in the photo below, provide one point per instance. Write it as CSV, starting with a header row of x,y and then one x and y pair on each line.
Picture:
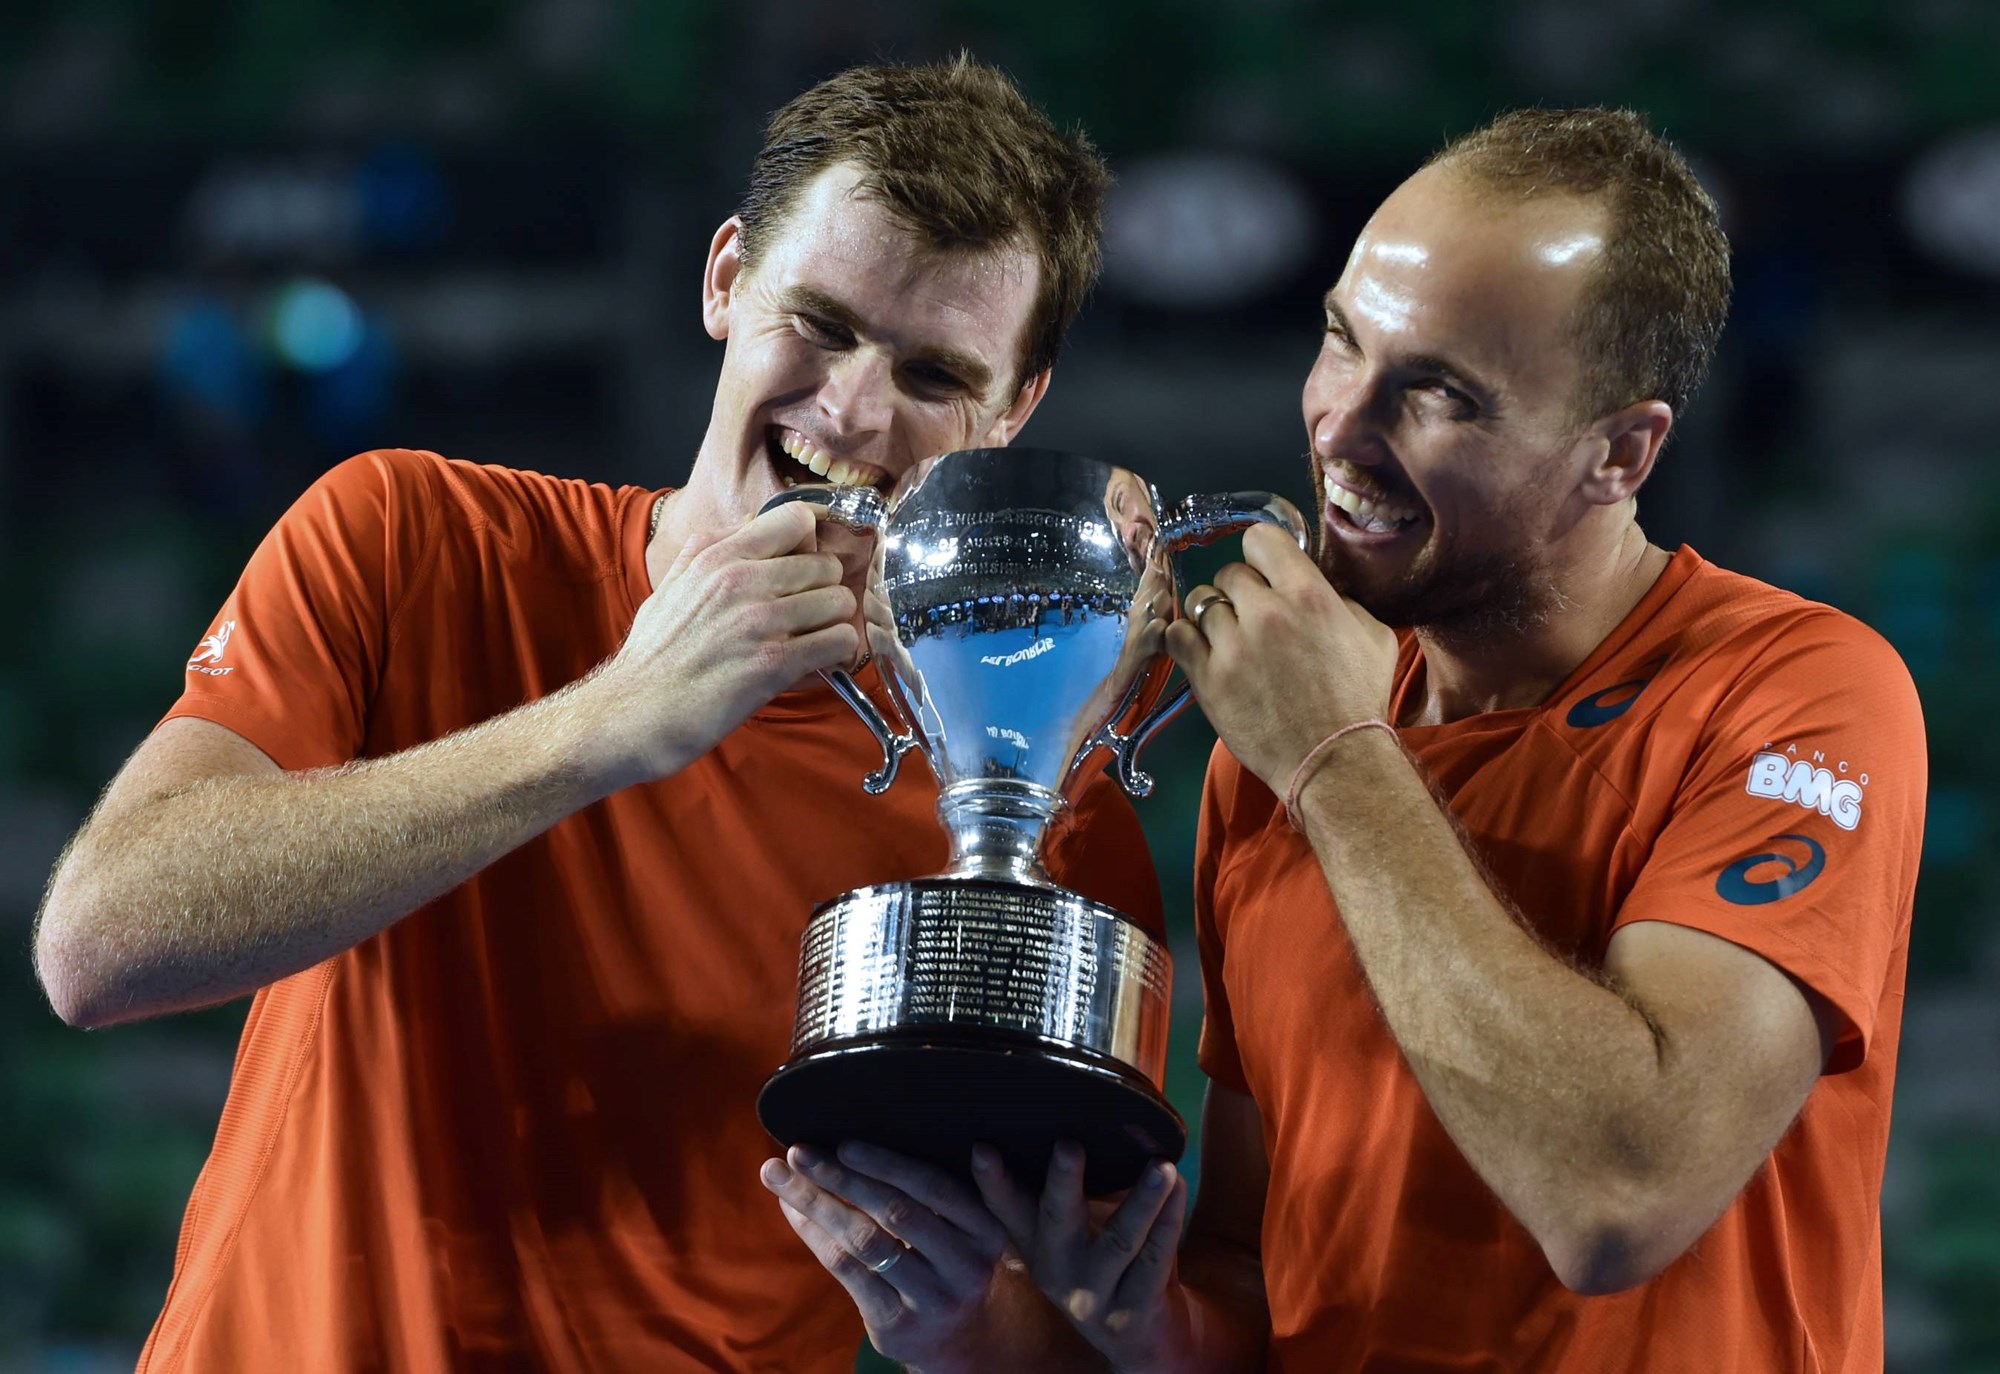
x,y
796,461
1370,514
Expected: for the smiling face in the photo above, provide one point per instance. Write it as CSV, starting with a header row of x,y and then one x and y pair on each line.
x,y
1450,464
853,352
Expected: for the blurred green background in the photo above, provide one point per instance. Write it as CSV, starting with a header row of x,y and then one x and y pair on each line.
x,y
240,241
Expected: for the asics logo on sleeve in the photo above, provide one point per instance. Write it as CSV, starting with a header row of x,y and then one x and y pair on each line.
x,y
211,651
1753,881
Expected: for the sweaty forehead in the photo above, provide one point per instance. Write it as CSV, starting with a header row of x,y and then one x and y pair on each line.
x,y
1447,264
841,242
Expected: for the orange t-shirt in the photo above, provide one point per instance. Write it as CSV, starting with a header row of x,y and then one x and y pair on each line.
x,y
516,1130
1732,759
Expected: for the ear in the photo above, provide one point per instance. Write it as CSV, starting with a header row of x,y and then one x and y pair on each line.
x,y
718,282
1008,423
1627,444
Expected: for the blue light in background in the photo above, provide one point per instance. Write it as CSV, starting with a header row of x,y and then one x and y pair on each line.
x,y
315,326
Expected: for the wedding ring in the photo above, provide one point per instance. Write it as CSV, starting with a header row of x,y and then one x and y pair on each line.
x,y
1201,609
889,1263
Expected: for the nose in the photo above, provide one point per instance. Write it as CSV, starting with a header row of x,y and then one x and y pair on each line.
x,y
1336,407
857,395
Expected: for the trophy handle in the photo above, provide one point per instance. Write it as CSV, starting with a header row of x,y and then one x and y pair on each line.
x,y
863,510
1197,521
894,745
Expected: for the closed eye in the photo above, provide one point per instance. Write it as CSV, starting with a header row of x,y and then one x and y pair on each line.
x,y
934,378
823,332
1463,406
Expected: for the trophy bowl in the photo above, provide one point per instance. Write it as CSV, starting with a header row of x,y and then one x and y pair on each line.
x,y
1016,611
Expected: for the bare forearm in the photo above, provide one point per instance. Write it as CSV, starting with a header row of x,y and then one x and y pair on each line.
x,y
229,883
1543,1076
1028,1334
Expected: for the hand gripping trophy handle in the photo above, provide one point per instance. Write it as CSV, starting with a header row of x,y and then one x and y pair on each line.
x,y
1199,520
863,510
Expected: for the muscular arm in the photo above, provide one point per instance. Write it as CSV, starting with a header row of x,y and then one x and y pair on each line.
x,y
207,872
1615,1118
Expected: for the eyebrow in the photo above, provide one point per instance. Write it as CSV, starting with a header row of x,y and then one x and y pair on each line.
x,y
810,300
1458,376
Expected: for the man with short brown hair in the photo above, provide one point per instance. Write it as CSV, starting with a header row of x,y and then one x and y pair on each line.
x,y
971,163
521,968
1553,941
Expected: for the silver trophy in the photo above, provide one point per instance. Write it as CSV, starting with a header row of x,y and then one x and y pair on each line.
x,y
1016,614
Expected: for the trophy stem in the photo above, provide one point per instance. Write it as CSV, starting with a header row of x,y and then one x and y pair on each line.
x,y
996,826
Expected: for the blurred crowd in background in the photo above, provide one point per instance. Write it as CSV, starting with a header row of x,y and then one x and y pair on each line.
x,y
240,241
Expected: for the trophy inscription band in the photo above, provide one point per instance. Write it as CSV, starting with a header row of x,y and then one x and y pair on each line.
x,y
1051,965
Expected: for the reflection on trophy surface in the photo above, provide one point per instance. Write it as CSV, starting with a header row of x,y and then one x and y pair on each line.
x,y
1017,612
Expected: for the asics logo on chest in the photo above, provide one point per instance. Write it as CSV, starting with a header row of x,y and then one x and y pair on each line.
x,y
1603,707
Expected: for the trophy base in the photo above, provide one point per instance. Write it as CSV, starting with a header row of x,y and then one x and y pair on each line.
x,y
934,1096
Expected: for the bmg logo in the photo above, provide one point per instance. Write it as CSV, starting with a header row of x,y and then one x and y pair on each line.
x,y
1796,780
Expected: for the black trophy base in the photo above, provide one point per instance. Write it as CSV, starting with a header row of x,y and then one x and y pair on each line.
x,y
935,1097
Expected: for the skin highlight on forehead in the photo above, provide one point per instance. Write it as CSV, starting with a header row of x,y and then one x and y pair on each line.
x,y
1487,280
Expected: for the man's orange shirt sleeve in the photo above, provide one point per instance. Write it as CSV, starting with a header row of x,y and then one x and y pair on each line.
x,y
1797,830
1217,1053
303,637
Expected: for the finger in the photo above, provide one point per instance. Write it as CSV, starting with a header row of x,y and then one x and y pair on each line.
x,y
856,1235
1186,647
1197,595
1145,1279
1278,558
809,610
1217,616
1127,1229
790,528
875,608
949,1250
935,1189
1005,1198
797,572
833,647
1241,582
878,1303
1059,1231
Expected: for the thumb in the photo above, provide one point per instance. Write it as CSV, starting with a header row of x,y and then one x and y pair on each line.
x,y
790,528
